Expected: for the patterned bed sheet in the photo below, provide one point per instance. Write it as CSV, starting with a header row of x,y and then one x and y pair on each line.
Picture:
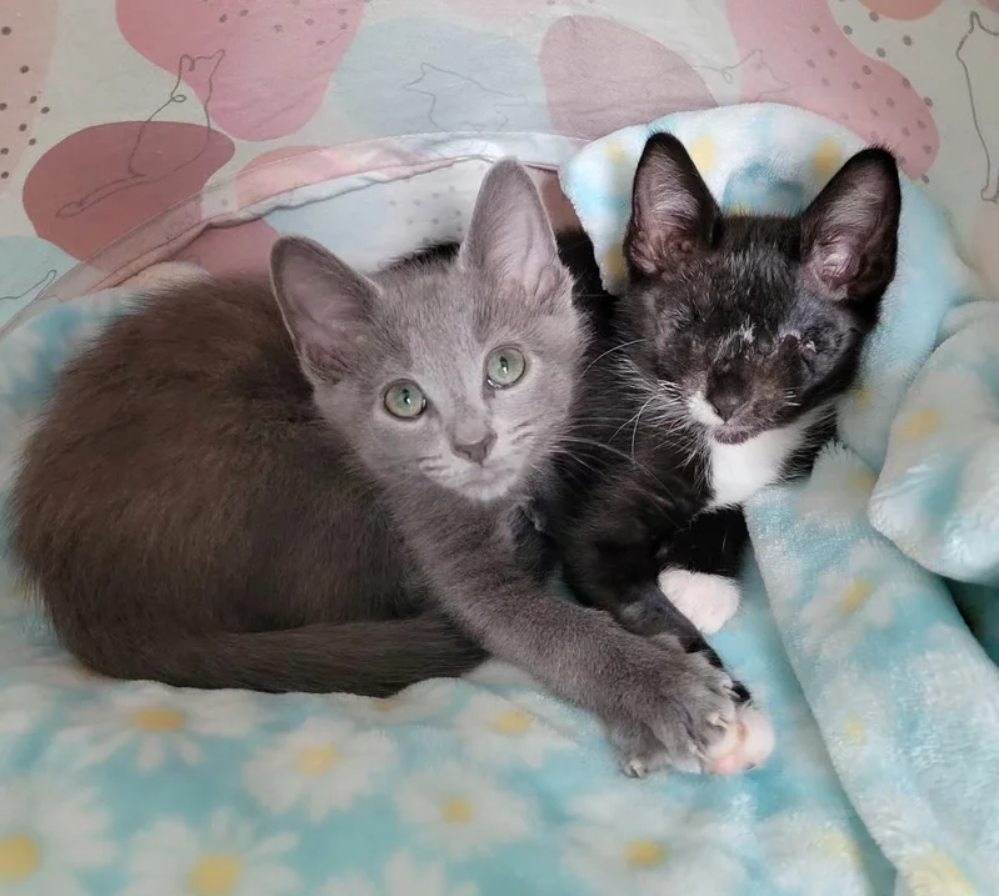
x,y
113,115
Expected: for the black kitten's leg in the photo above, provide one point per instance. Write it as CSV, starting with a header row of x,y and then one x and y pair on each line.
x,y
700,567
611,561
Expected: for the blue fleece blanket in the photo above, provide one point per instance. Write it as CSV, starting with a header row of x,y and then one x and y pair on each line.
x,y
855,561
488,788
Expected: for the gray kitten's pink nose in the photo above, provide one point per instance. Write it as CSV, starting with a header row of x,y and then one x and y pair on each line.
x,y
476,452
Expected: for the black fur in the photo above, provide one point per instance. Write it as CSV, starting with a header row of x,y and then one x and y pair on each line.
x,y
764,316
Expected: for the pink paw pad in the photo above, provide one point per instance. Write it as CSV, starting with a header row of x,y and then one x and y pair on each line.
x,y
747,743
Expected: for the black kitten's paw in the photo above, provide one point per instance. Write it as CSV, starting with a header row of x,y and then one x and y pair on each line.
x,y
708,601
683,712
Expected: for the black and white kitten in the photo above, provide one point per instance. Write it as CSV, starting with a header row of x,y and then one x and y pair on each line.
x,y
735,337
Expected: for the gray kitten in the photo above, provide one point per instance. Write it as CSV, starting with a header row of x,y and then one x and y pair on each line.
x,y
210,503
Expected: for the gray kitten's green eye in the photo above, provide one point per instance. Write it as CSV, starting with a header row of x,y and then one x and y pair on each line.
x,y
505,366
405,400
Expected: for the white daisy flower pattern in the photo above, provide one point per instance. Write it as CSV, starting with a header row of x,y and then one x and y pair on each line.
x,y
22,707
224,858
524,730
324,765
50,837
804,846
47,667
404,876
159,723
849,603
622,842
421,702
463,812
858,718
837,494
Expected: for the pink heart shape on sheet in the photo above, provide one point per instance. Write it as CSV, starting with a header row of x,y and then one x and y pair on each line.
x,y
601,76
100,183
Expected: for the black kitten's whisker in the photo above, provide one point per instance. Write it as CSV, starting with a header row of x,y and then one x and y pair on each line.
x,y
616,348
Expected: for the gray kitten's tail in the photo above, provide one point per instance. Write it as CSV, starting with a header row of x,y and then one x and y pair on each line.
x,y
371,658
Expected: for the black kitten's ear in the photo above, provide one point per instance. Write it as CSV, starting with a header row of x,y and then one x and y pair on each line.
x,y
510,238
673,213
850,232
326,305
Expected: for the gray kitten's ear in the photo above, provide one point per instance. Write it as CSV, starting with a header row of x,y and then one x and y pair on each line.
x,y
326,305
510,237
849,233
673,213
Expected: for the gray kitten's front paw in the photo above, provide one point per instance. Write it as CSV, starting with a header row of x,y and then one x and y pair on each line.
x,y
683,712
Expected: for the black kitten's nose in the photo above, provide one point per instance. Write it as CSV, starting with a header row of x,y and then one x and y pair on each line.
x,y
725,395
476,452
725,404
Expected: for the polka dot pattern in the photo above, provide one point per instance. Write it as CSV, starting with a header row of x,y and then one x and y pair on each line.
x,y
27,37
833,78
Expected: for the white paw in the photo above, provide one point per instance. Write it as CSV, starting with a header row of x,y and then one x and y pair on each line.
x,y
707,601
748,742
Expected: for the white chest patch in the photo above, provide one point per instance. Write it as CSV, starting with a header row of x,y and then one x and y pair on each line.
x,y
739,471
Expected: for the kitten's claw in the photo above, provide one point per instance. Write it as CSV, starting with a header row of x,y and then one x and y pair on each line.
x,y
634,767
707,601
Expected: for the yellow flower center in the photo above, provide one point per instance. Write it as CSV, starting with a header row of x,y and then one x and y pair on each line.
x,y
315,761
216,874
863,482
856,595
702,154
828,158
457,810
616,152
936,872
386,704
863,398
855,731
20,857
835,844
158,721
513,722
614,263
920,424
644,853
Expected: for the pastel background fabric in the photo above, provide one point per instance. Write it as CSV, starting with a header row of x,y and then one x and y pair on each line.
x,y
897,682
114,113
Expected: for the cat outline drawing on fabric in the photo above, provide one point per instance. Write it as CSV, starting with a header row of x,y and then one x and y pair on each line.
x,y
435,82
976,52
146,162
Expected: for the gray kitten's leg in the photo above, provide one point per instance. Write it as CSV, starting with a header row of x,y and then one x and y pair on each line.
x,y
661,705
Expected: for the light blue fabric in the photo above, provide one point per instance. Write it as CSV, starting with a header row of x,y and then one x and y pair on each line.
x,y
906,699
454,789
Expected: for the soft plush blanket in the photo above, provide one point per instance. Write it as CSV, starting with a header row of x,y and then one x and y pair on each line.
x,y
487,787
853,560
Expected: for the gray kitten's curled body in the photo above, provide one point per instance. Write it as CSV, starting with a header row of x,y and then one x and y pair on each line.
x,y
322,493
